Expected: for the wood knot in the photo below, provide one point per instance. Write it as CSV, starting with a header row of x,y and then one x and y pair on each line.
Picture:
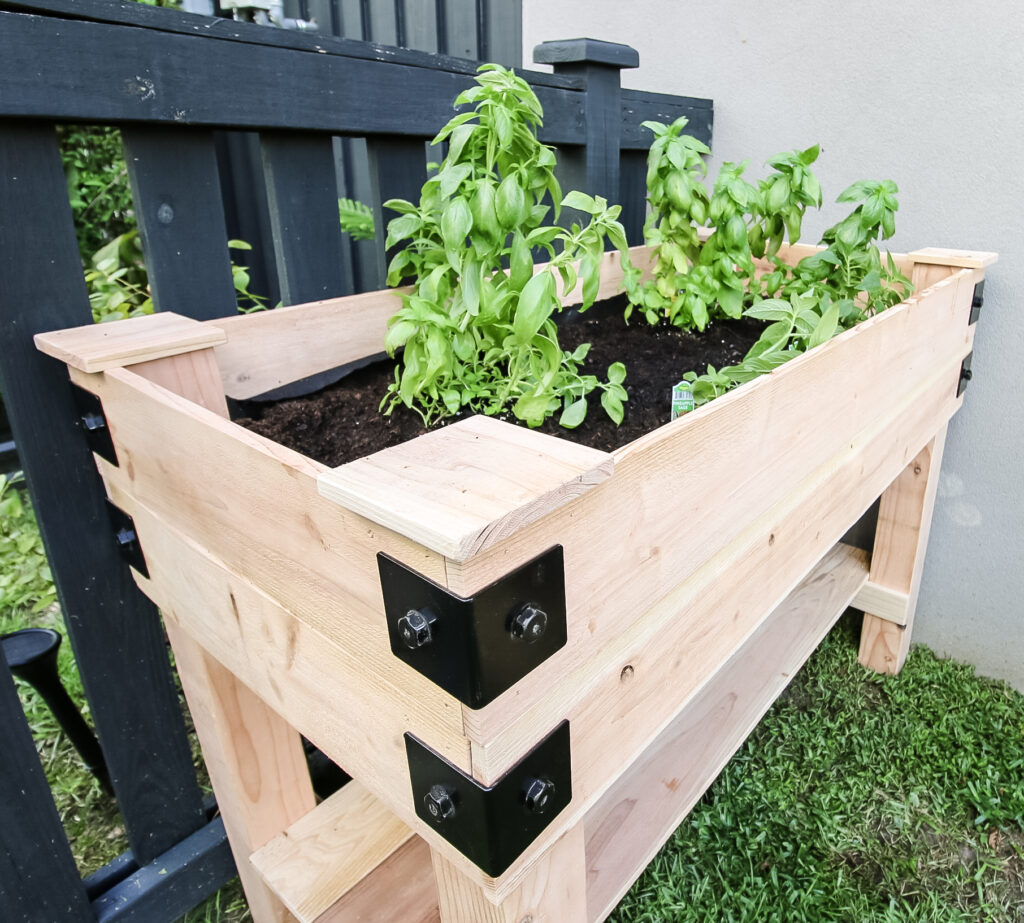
x,y
917,469
627,673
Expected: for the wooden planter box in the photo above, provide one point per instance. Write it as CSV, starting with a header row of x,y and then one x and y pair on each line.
x,y
700,567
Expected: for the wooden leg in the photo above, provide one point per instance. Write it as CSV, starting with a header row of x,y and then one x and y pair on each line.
x,y
255,760
254,757
904,520
554,890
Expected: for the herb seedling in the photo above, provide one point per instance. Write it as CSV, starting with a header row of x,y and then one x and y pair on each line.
x,y
824,294
805,305
478,331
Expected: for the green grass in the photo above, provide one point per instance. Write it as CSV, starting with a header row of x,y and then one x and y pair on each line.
x,y
857,798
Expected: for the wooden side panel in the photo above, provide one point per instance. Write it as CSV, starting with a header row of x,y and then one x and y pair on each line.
x,y
272,348
897,562
253,505
682,494
554,890
328,694
639,812
617,703
321,857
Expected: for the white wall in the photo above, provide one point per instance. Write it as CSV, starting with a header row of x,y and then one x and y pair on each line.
x,y
929,93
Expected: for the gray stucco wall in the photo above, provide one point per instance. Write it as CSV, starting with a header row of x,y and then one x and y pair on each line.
x,y
930,94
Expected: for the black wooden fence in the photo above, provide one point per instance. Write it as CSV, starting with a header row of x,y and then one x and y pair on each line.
x,y
173,83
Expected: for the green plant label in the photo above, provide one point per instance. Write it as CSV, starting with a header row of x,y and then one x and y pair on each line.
x,y
682,399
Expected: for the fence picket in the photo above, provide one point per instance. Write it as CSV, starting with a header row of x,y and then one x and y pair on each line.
x,y
180,211
302,191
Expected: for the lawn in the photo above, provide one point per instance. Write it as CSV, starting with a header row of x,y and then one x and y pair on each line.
x,y
858,797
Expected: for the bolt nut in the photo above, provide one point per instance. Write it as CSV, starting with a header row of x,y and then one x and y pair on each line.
x,y
537,795
439,803
416,628
529,623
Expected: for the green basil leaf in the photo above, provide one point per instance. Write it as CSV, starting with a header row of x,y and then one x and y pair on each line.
x,y
520,263
574,414
612,404
510,202
456,220
536,302
581,202
826,328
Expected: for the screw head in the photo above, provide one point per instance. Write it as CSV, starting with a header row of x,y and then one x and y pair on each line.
x,y
537,795
439,803
529,623
415,628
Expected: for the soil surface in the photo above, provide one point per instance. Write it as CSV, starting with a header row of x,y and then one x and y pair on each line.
x,y
341,422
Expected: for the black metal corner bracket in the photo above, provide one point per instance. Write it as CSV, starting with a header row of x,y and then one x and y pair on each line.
x,y
965,374
94,423
492,826
127,538
976,302
476,648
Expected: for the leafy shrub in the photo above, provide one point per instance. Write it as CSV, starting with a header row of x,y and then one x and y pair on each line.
x,y
97,180
25,580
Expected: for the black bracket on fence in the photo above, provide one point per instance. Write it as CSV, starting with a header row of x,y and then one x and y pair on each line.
x,y
492,826
965,374
476,648
94,423
127,538
976,302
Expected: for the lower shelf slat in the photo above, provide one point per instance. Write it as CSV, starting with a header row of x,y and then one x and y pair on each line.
x,y
325,854
628,826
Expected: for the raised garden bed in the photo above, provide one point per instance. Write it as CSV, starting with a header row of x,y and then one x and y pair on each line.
x,y
699,566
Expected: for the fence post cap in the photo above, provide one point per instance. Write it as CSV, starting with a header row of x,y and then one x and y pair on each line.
x,y
586,50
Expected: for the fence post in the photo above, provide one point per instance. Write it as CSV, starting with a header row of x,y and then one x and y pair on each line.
x,y
595,169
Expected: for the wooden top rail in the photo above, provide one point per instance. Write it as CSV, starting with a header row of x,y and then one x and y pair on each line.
x,y
464,488
960,259
97,347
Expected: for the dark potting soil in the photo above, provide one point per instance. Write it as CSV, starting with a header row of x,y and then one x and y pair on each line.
x,y
341,422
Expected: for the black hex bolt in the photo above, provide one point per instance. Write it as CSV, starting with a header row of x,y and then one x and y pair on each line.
x,y
537,795
416,628
529,623
93,421
439,803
